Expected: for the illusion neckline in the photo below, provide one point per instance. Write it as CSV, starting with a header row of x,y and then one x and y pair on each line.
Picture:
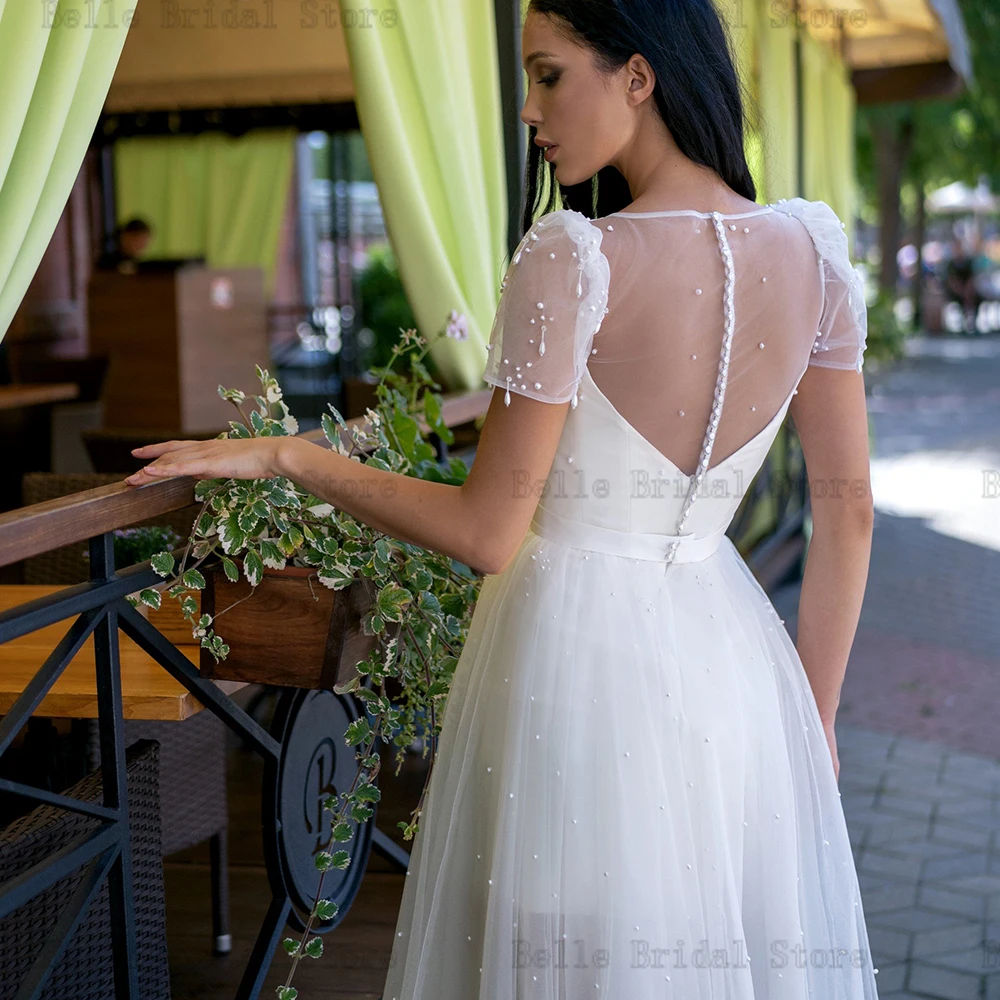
x,y
691,211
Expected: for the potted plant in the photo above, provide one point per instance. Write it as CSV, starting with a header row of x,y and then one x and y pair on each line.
x,y
387,614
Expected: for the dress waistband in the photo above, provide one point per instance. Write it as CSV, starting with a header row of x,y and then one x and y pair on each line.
x,y
635,545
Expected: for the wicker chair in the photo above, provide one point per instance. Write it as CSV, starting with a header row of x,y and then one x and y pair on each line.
x,y
85,969
192,752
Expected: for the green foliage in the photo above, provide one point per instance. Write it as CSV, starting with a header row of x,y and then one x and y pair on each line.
x,y
385,309
885,333
423,599
136,545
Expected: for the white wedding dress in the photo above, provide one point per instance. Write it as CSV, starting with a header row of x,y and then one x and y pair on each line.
x,y
633,797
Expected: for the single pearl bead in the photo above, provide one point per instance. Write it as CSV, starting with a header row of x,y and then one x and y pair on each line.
x,y
552,256
694,357
746,229
610,228
763,279
761,345
680,412
697,291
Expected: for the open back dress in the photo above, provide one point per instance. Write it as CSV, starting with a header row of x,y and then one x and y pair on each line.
x,y
633,796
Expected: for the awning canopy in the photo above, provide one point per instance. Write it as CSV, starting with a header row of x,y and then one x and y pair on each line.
x,y
255,54
897,50
284,53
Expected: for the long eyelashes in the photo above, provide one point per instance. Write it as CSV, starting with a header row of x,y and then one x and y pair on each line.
x,y
549,80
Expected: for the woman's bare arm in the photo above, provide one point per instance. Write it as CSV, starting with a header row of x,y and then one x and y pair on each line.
x,y
831,419
480,523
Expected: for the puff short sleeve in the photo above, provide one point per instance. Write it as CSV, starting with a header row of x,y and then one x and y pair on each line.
x,y
553,299
843,327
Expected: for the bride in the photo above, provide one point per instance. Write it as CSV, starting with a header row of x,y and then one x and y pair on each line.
x,y
635,794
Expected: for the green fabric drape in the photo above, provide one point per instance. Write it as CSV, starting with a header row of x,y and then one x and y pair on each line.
x,y
828,143
741,23
56,65
209,195
428,98
776,89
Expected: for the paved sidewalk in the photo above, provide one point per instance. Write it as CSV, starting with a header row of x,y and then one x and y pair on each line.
x,y
917,732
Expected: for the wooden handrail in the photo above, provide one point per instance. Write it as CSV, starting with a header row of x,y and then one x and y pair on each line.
x,y
29,531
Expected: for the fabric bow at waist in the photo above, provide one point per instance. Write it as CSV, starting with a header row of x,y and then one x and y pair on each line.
x,y
654,546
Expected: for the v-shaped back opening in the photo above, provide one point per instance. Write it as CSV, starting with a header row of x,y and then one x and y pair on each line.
x,y
768,427
709,325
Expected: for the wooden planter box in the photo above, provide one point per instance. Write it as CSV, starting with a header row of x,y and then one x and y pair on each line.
x,y
293,631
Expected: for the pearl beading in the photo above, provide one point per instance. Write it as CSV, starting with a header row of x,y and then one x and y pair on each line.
x,y
583,254
720,387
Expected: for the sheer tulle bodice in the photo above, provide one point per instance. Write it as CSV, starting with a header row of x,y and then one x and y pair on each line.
x,y
680,337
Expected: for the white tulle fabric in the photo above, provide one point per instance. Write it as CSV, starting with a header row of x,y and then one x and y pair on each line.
x,y
843,327
555,295
633,797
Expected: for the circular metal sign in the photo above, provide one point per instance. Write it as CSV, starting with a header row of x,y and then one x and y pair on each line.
x,y
315,764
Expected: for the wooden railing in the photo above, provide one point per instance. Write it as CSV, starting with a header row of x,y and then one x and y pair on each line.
x,y
99,612
29,531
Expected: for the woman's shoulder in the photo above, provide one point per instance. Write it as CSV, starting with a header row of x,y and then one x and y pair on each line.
x,y
815,214
570,221
566,230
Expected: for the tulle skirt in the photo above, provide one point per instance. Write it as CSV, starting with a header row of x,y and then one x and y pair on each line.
x,y
633,798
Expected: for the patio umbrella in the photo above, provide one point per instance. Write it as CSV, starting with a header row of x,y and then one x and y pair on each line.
x,y
959,198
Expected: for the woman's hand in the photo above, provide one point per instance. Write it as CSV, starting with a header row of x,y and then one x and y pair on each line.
x,y
831,738
225,458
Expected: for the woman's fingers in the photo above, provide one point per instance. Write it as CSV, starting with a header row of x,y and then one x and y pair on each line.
x,y
160,448
162,468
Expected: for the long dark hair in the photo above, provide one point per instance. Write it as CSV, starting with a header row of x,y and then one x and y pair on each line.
x,y
698,94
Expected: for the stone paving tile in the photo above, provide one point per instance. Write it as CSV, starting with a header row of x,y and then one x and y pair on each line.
x,y
943,983
968,934
936,898
891,977
887,944
916,918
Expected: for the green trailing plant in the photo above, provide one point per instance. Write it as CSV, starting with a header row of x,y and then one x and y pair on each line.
x,y
245,525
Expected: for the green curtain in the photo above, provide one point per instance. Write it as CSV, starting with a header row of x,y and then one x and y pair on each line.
x,y
829,104
428,98
56,65
209,195
741,22
776,91
828,153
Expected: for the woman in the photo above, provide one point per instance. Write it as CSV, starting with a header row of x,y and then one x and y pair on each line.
x,y
635,794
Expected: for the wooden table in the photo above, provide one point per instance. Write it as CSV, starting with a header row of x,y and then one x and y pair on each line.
x,y
26,432
148,691
34,393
